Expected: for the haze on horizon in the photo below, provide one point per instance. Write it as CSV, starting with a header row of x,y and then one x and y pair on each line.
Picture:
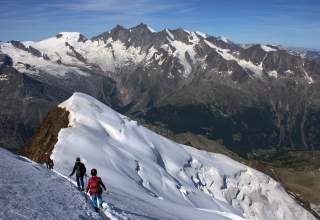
x,y
293,23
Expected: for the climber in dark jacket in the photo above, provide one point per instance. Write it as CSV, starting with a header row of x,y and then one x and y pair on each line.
x,y
80,170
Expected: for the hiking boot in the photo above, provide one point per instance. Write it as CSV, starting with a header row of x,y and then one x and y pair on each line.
x,y
96,209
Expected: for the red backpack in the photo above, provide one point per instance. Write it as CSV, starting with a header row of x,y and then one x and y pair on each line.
x,y
94,185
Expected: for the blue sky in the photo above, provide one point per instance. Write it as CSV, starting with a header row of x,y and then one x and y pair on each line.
x,y
287,22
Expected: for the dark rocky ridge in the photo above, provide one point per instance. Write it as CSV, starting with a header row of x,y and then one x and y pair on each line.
x,y
46,136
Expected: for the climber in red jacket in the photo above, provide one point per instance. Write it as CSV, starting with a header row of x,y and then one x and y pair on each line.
x,y
94,188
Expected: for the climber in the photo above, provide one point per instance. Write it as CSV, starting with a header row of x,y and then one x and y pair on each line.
x,y
80,170
94,188
49,162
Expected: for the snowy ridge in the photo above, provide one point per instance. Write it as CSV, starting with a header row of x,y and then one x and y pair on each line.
x,y
182,182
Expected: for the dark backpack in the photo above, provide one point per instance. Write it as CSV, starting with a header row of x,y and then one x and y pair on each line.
x,y
80,169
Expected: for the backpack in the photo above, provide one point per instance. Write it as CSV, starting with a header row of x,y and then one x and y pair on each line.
x,y
95,185
80,169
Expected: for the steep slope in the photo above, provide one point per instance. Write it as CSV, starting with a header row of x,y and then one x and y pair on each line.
x,y
29,191
246,117
185,182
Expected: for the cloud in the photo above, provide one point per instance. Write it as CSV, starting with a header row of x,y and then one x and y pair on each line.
x,y
137,7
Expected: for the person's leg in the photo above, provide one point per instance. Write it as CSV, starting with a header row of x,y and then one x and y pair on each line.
x,y
82,183
99,200
94,199
78,182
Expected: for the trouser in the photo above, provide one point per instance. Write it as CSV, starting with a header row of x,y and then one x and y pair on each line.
x,y
96,200
50,165
80,182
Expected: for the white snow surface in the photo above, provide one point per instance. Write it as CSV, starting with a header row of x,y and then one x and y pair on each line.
x,y
151,177
170,34
267,48
30,191
201,34
3,77
224,39
273,74
151,29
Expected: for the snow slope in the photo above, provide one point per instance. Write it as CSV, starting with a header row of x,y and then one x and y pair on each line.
x,y
151,177
29,191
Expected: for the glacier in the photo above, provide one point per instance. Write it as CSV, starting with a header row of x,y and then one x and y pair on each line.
x,y
170,180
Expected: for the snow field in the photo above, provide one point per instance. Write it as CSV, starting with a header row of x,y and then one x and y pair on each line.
x,y
177,179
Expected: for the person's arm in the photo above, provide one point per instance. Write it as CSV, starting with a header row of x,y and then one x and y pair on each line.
x,y
74,170
103,186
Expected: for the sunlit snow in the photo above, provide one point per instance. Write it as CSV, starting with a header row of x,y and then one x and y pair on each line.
x,y
267,48
181,181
